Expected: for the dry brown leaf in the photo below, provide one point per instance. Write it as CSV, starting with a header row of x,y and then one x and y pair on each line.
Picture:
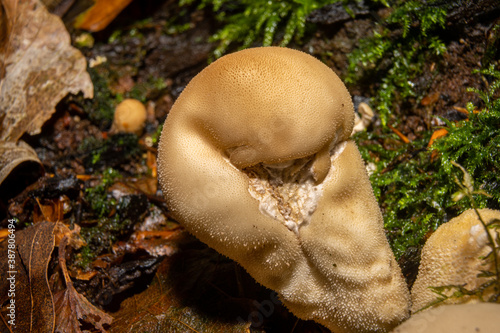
x,y
33,298
155,242
430,99
38,67
159,309
13,154
101,14
35,249
436,135
71,307
403,137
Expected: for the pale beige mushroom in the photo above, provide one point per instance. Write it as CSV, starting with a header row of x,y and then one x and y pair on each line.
x,y
452,256
130,117
363,118
254,160
462,318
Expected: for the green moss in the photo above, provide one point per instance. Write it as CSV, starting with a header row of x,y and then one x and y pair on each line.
x,y
84,257
111,152
415,185
155,137
153,86
98,198
100,237
110,222
394,55
101,108
260,21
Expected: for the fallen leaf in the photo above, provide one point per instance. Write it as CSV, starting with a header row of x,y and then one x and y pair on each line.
x,y
51,209
71,307
461,110
85,276
398,133
13,154
101,14
4,233
159,309
146,185
436,135
430,99
34,311
156,243
38,67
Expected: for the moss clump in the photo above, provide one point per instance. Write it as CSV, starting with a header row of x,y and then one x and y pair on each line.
x,y
101,108
397,50
111,152
415,184
98,198
110,219
260,21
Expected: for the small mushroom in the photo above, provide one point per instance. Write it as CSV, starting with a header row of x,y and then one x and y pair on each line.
x,y
254,160
363,118
462,318
130,117
452,256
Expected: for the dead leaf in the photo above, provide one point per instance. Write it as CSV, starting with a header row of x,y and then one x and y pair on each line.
x,y
51,209
4,233
101,14
430,99
158,309
155,243
436,135
461,110
13,154
146,185
85,276
38,67
403,137
33,298
71,307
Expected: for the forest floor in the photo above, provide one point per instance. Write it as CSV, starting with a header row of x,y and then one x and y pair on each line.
x,y
138,264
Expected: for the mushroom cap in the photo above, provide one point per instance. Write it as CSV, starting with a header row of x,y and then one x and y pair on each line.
x,y
254,160
269,105
130,116
451,256
461,318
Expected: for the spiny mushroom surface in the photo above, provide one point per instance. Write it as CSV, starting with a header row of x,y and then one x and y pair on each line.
x,y
254,160
462,318
452,256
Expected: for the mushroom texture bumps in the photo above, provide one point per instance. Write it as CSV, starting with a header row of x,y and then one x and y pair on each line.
x,y
255,161
453,256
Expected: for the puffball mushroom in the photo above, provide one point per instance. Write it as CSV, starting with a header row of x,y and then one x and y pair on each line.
x,y
130,117
254,160
452,256
462,318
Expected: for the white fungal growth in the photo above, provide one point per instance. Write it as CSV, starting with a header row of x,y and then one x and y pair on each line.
x,y
287,192
478,237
